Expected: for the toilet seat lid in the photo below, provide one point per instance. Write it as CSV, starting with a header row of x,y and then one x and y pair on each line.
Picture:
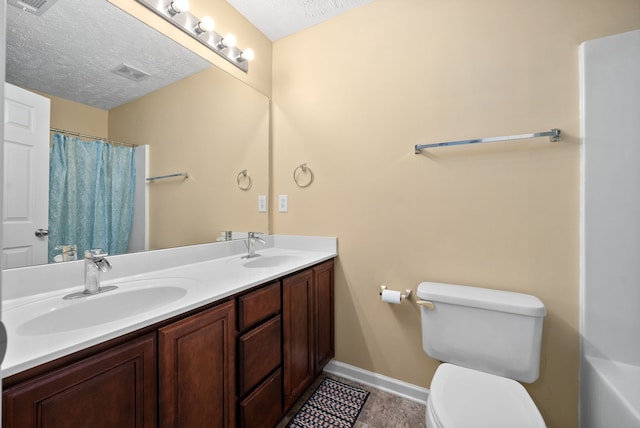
x,y
466,398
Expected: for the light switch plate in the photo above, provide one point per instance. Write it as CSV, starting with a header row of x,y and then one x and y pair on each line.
x,y
262,203
283,203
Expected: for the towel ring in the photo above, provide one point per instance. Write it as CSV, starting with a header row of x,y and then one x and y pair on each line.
x,y
244,177
303,168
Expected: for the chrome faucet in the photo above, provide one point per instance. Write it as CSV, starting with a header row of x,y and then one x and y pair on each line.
x,y
94,262
252,237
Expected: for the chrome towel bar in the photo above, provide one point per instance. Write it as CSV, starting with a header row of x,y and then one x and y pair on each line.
x,y
162,177
554,135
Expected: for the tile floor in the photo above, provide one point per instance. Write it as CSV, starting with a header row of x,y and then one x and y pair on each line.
x,y
382,410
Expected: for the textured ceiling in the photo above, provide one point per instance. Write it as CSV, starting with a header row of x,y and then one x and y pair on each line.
x,y
71,50
280,18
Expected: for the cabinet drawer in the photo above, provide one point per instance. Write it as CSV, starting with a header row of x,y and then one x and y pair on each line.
x,y
258,354
258,305
263,408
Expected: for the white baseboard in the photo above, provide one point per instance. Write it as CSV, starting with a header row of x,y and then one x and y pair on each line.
x,y
378,381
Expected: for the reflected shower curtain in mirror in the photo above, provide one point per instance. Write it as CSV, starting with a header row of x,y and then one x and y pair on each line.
x,y
91,189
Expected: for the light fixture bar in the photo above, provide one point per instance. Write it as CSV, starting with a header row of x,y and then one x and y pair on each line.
x,y
188,23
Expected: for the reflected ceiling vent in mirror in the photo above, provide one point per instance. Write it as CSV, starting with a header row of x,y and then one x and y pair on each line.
x,y
201,29
36,7
130,72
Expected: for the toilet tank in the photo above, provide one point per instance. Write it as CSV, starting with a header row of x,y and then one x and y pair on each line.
x,y
498,332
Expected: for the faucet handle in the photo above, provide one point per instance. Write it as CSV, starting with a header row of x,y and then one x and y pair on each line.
x,y
95,253
103,264
98,256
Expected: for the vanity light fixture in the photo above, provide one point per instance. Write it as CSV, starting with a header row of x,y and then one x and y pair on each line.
x,y
246,55
228,41
178,6
177,12
205,24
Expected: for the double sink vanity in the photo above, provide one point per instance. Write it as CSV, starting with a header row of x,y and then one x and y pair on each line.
x,y
193,336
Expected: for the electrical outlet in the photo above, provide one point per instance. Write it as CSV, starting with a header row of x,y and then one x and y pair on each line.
x,y
262,203
283,203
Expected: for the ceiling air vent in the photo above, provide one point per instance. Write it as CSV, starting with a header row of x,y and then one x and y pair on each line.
x,y
130,72
37,7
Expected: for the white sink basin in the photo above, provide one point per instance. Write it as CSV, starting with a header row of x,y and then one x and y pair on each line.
x,y
130,299
272,261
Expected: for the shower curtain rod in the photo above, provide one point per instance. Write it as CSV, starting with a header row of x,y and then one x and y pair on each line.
x,y
92,137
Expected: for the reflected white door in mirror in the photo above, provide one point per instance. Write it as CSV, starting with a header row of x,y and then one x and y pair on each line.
x,y
26,178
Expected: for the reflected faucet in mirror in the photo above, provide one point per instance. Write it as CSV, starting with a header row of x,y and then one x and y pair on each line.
x,y
67,253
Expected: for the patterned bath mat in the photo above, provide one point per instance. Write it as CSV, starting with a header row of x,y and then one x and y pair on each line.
x,y
332,405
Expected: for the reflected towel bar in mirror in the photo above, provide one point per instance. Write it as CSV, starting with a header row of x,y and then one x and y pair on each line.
x,y
162,177
303,169
244,180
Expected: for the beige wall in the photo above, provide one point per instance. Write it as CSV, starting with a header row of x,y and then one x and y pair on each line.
x,y
77,117
212,126
227,20
352,96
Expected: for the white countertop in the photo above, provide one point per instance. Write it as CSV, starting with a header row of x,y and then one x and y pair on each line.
x,y
206,281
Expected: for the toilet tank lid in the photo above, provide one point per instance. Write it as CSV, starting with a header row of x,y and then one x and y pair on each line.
x,y
485,298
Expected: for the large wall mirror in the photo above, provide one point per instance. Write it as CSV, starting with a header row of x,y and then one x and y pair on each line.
x,y
192,116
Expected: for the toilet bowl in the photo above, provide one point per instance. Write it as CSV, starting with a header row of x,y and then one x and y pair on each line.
x,y
467,398
488,340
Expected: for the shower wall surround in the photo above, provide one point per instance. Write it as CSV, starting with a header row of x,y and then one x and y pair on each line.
x,y
610,320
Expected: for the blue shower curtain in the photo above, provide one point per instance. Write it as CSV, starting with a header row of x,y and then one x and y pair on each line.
x,y
91,189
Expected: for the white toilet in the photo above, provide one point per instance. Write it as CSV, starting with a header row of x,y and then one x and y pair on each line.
x,y
487,340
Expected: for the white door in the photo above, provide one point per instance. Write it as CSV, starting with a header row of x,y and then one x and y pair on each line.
x,y
26,177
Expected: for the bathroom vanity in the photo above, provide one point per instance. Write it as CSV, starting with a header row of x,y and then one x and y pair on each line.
x,y
242,359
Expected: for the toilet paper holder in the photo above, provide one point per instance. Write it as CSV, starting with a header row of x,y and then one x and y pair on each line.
x,y
403,295
407,293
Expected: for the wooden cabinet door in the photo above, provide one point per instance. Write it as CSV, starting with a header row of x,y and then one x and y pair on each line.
x,y
323,315
297,319
115,388
196,358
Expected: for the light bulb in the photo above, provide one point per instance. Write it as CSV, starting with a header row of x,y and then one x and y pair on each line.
x,y
247,55
205,24
229,40
178,6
